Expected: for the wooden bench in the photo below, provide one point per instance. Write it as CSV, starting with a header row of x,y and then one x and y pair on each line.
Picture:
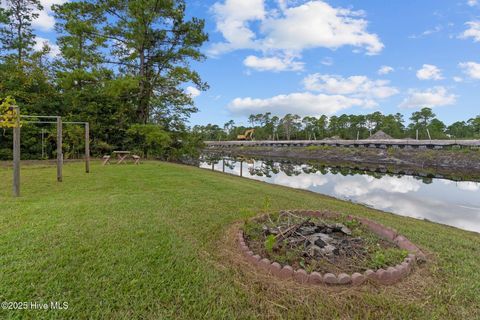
x,y
106,160
136,158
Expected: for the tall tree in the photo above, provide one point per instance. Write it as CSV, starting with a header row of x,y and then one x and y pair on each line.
x,y
423,117
252,120
459,130
373,121
290,124
16,35
322,124
309,124
152,41
474,123
437,129
274,123
229,126
24,73
422,120
79,43
90,92
393,125
333,126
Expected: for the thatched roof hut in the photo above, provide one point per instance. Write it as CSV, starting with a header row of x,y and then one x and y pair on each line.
x,y
379,135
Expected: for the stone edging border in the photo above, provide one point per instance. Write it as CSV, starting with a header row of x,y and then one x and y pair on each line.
x,y
386,277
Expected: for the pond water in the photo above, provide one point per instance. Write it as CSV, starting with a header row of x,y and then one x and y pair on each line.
x,y
440,200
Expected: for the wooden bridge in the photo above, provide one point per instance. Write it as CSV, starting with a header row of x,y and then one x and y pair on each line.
x,y
381,144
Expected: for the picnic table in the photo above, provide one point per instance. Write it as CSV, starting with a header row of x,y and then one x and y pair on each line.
x,y
121,156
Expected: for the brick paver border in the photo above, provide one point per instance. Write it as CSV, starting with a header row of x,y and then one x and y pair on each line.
x,y
386,276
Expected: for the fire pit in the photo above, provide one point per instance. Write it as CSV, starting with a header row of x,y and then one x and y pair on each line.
x,y
319,247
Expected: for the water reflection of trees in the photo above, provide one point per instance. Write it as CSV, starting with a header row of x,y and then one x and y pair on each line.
x,y
268,168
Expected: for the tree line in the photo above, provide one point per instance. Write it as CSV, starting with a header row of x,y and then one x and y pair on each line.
x,y
423,124
121,65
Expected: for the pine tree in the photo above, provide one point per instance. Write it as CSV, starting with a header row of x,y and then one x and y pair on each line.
x,y
16,35
77,24
151,40
24,74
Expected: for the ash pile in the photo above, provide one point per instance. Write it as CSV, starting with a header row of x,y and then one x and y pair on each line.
x,y
315,238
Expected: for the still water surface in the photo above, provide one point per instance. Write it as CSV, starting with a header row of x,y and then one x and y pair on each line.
x,y
440,200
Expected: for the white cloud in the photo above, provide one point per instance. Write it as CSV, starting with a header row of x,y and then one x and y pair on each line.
x,y
426,33
357,86
290,28
317,24
472,3
368,184
304,103
45,20
287,63
302,181
429,72
433,97
471,69
327,61
40,42
458,79
334,93
232,20
473,31
385,70
468,186
192,91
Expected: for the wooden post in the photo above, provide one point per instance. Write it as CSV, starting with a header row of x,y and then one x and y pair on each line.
x,y
87,147
417,134
16,154
43,144
59,150
223,164
213,166
241,168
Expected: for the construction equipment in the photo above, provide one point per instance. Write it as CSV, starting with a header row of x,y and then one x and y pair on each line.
x,y
248,135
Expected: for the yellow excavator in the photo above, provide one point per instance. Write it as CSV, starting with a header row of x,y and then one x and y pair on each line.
x,y
248,135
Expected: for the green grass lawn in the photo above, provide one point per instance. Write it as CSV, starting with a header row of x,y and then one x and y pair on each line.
x,y
155,242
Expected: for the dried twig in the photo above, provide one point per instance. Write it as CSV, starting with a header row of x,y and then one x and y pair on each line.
x,y
294,215
291,230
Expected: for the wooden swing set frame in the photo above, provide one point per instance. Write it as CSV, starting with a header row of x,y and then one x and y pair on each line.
x,y
49,119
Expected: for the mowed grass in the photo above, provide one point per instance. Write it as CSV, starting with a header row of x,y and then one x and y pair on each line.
x,y
155,242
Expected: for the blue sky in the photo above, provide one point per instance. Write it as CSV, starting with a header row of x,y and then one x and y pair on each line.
x,y
334,56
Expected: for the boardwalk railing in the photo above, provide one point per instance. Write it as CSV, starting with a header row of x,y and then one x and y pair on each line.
x,y
382,144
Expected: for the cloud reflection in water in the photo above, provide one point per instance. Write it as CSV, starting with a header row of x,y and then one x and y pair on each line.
x,y
448,202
